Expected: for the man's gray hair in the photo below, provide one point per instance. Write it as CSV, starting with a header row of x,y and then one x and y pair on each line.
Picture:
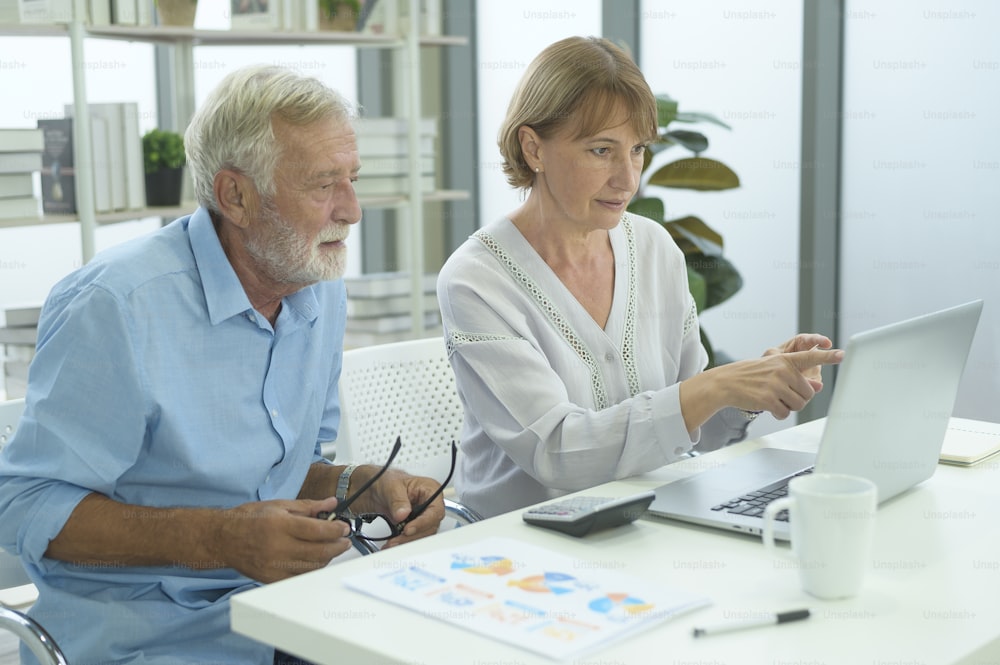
x,y
232,129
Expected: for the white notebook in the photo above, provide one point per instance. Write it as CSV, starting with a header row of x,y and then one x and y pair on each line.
x,y
969,442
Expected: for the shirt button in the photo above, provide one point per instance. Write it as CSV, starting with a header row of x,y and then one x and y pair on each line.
x,y
274,413
609,357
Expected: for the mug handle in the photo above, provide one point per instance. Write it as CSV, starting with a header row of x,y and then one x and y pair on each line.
x,y
770,512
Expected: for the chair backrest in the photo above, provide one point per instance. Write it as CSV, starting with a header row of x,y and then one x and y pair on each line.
x,y
10,414
11,572
402,389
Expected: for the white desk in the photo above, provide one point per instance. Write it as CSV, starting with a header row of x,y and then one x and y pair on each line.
x,y
932,596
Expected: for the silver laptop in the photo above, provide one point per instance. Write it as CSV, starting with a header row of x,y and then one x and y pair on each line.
x,y
894,395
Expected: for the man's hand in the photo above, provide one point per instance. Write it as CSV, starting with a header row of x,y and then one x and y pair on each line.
x,y
394,495
273,540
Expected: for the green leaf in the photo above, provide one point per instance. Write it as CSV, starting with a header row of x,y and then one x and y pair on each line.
x,y
693,141
162,149
698,173
706,239
708,349
666,110
698,116
698,287
648,207
722,281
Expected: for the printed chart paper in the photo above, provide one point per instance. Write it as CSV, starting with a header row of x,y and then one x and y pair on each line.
x,y
528,596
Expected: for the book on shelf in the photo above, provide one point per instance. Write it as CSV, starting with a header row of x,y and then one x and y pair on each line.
x,y
99,12
291,16
124,159
390,324
124,12
16,184
21,316
390,146
101,165
135,170
255,15
36,11
390,184
369,308
394,165
21,139
19,206
144,11
355,340
390,126
20,162
57,166
385,284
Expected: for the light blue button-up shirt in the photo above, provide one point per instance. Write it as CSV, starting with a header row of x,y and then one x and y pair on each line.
x,y
156,383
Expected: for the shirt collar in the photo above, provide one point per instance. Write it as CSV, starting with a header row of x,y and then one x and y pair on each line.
x,y
224,294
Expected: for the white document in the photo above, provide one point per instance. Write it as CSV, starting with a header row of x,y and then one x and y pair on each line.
x,y
528,596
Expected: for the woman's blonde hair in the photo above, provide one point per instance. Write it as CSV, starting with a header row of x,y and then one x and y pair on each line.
x,y
578,82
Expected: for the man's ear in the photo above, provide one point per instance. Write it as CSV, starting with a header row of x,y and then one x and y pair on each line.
x,y
531,147
236,197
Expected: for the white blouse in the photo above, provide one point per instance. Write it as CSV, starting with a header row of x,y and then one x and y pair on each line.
x,y
553,403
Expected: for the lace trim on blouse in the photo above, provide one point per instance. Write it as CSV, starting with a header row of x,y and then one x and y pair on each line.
x,y
457,339
691,318
628,335
563,326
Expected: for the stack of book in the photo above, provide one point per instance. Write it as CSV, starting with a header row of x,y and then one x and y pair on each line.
x,y
384,146
379,308
20,158
120,12
117,168
36,11
18,337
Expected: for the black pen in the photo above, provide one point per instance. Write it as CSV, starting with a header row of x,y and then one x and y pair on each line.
x,y
743,624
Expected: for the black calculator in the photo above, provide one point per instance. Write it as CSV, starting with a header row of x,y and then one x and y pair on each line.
x,y
580,515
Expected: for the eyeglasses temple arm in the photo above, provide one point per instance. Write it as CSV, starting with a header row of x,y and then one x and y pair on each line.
x,y
346,503
419,509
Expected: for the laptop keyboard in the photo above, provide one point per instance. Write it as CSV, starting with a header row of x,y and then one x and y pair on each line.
x,y
753,504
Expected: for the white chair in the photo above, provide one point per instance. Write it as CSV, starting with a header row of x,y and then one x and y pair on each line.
x,y
12,575
402,389
16,590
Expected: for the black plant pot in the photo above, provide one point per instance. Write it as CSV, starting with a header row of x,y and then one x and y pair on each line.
x,y
163,187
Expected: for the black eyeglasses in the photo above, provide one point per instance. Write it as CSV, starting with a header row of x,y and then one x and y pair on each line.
x,y
384,528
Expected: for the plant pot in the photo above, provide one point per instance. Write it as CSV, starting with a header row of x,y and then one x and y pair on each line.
x,y
177,12
342,19
163,187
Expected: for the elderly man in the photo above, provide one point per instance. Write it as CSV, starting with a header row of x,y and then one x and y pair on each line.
x,y
168,456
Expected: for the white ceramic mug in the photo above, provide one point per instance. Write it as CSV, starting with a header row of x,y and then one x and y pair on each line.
x,y
832,525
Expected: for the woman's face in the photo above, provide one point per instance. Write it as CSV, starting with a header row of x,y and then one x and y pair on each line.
x,y
589,181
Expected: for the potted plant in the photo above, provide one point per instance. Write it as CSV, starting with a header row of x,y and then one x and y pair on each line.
x,y
338,14
177,12
713,279
163,158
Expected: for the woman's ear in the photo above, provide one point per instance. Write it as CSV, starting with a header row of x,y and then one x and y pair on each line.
x,y
235,196
531,147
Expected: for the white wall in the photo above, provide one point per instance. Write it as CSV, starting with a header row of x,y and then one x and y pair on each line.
x,y
510,34
743,64
921,227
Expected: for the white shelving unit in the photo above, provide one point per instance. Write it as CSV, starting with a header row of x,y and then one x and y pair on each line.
x,y
406,49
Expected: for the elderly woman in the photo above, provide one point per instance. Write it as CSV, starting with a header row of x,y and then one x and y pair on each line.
x,y
569,323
